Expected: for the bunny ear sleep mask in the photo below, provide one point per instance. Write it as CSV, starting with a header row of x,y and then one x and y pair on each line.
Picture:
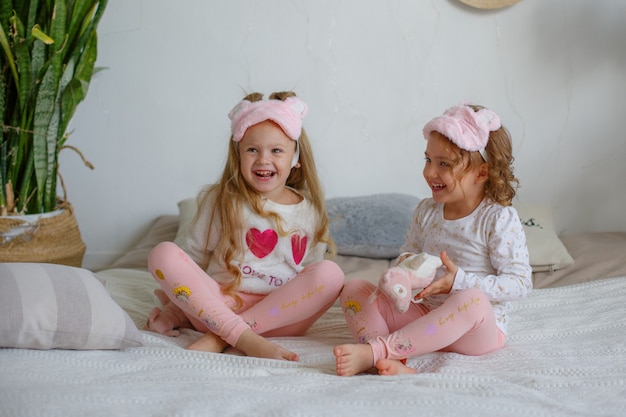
x,y
287,114
466,128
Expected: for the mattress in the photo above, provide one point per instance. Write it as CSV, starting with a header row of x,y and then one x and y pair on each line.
x,y
566,356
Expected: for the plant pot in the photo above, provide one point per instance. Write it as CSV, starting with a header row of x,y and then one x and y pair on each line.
x,y
51,237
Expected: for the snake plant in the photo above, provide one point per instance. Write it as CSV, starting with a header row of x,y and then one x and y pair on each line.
x,y
48,50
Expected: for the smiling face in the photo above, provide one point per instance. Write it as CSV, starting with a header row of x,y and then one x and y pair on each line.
x,y
266,153
451,183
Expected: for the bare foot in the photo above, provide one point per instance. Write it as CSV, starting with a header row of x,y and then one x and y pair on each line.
x,y
252,344
168,319
353,359
210,342
161,296
393,367
157,323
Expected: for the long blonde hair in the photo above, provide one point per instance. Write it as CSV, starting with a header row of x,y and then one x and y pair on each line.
x,y
231,193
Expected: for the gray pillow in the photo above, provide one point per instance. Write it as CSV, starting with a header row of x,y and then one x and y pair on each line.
x,y
372,226
48,306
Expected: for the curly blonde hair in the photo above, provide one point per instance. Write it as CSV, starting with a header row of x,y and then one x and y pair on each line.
x,y
501,185
232,192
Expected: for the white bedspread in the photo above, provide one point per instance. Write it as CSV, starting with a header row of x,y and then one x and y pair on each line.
x,y
566,356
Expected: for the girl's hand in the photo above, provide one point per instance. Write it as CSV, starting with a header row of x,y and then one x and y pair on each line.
x,y
444,284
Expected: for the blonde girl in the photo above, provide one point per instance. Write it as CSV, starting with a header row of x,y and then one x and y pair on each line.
x,y
253,264
470,223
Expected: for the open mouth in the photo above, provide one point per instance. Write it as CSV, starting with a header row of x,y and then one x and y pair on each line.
x,y
264,174
437,187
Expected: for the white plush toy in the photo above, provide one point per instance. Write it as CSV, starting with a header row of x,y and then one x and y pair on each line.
x,y
398,282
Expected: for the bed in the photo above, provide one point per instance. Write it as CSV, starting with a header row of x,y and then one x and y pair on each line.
x,y
566,355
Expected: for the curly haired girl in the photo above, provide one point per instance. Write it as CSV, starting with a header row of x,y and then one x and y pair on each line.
x,y
470,223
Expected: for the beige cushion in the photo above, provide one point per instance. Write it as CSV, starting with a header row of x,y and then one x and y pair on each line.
x,y
597,255
546,250
187,209
162,229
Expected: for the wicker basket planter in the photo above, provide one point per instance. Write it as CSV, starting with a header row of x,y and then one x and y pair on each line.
x,y
51,237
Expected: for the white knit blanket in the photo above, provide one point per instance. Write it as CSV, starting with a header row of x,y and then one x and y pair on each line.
x,y
566,356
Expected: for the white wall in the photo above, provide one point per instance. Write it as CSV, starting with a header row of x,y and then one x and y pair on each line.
x,y
155,123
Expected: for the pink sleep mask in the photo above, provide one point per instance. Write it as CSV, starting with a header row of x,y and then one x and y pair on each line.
x,y
287,114
466,128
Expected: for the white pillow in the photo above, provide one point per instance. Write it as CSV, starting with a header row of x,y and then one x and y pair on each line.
x,y
187,209
547,252
49,306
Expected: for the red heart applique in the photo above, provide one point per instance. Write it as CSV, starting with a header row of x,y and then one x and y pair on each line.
x,y
298,248
260,243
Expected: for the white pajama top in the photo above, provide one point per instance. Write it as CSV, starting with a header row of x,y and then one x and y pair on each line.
x,y
488,246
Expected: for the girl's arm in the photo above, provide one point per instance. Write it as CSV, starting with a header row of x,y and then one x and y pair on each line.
x,y
315,252
508,254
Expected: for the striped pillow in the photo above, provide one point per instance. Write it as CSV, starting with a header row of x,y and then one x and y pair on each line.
x,y
48,306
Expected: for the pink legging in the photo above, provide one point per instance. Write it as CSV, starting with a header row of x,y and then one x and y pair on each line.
x,y
287,311
465,323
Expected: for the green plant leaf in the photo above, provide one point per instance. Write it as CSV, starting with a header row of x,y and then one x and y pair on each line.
x,y
38,34
59,34
82,13
44,109
27,183
42,84
38,58
76,91
6,10
49,188
3,145
8,53
67,102
84,69
32,13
